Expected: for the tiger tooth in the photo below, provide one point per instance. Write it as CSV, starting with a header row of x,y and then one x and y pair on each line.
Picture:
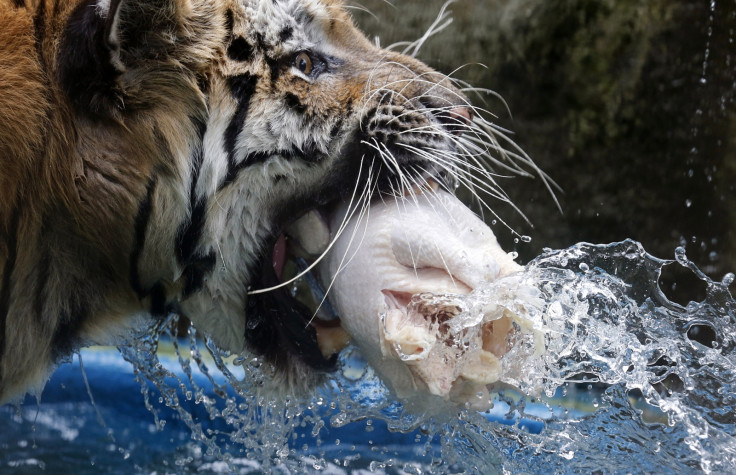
x,y
311,232
331,339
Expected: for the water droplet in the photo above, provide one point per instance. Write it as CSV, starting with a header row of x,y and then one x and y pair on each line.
x,y
681,256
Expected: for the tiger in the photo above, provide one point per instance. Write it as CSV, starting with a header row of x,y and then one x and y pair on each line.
x,y
152,152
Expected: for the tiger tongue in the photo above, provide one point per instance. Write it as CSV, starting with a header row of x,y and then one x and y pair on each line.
x,y
279,256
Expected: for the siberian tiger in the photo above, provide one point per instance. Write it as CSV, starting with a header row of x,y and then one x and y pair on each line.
x,y
152,152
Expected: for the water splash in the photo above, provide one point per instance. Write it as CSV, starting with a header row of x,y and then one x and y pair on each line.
x,y
620,387
667,401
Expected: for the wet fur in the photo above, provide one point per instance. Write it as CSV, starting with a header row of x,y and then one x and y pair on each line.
x,y
152,150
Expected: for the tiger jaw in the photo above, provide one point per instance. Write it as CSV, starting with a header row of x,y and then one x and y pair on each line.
x,y
310,239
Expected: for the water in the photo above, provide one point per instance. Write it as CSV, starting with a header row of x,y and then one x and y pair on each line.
x,y
665,402
623,386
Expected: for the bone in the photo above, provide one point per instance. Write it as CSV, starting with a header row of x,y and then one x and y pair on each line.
x,y
395,277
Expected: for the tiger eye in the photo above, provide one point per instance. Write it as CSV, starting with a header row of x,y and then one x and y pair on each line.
x,y
303,63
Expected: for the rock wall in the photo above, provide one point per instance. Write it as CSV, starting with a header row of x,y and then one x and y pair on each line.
x,y
629,106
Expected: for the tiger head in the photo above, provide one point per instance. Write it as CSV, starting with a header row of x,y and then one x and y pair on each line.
x,y
190,133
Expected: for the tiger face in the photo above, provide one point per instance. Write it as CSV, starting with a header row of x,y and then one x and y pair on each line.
x,y
169,144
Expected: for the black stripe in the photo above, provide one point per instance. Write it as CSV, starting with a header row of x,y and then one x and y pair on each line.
x,y
336,129
19,3
308,155
196,272
240,50
5,290
293,102
190,231
140,226
275,67
349,108
286,33
229,21
261,43
251,159
242,87
85,70
39,22
158,300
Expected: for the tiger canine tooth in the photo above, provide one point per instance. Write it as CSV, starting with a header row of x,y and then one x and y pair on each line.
x,y
395,280
314,228
331,338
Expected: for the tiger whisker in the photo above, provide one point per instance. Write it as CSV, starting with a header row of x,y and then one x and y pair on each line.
x,y
465,153
455,168
329,246
364,213
467,181
442,21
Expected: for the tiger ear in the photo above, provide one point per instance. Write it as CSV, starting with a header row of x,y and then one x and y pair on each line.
x,y
89,57
100,44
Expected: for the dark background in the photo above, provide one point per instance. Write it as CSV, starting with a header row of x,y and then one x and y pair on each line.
x,y
628,105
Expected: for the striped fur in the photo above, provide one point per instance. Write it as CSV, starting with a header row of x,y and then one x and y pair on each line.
x,y
151,151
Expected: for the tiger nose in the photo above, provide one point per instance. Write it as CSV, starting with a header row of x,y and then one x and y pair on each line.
x,y
462,114
460,117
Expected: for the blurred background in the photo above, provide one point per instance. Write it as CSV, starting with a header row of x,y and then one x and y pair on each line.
x,y
628,105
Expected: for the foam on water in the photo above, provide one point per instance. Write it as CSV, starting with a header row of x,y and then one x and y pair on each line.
x,y
620,387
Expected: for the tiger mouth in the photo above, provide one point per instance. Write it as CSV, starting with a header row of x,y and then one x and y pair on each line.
x,y
284,319
287,317
287,314
297,249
